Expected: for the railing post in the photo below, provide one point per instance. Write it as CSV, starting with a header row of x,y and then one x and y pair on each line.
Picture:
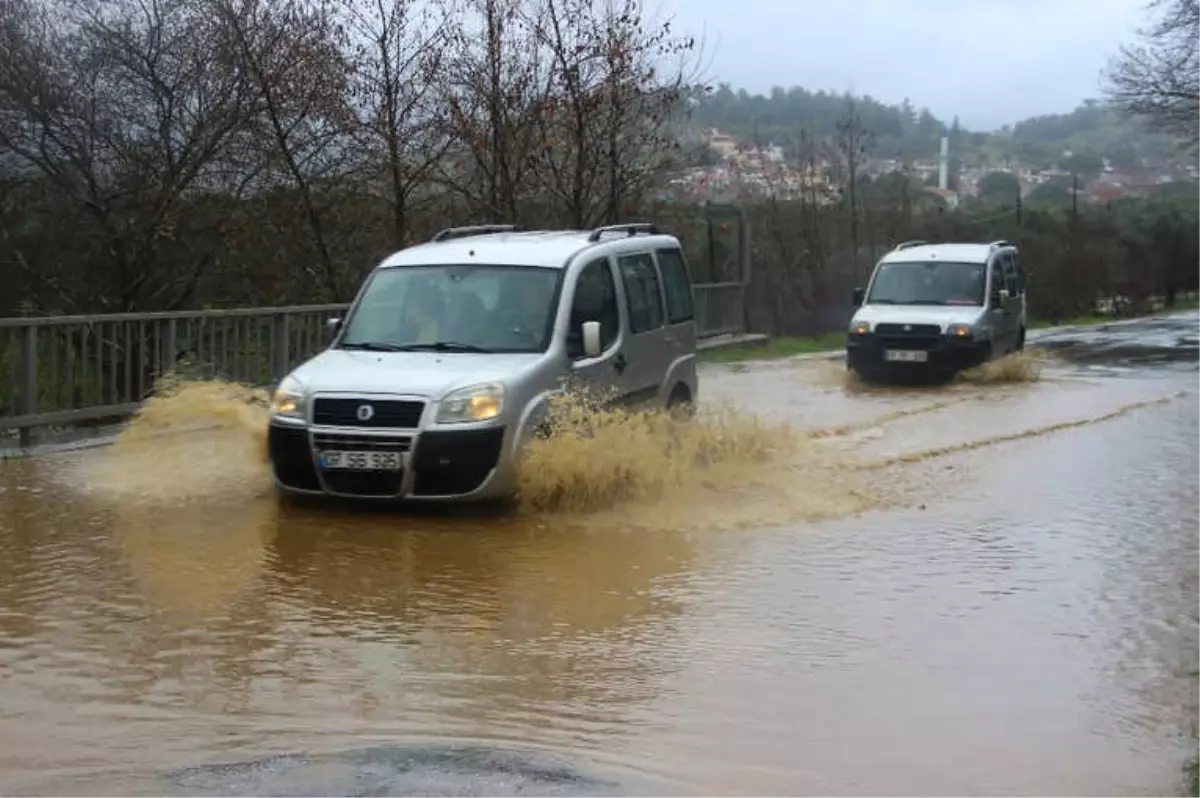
x,y
281,356
170,349
29,383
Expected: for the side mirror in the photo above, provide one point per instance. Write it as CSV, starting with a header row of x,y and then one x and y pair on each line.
x,y
332,326
591,338
1003,294
857,296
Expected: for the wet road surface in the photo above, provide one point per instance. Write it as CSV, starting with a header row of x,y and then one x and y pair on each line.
x,y
1004,602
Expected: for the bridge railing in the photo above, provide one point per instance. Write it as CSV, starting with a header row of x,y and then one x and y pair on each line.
x,y
65,370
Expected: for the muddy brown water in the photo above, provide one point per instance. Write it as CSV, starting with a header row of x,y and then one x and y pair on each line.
x,y
984,588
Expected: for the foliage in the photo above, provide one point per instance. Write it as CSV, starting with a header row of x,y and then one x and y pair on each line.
x,y
166,155
1158,80
1092,131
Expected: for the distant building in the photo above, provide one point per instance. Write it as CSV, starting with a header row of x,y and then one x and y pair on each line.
x,y
949,196
723,144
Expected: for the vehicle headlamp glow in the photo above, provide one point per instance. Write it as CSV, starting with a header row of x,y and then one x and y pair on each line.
x,y
473,403
288,399
860,328
959,331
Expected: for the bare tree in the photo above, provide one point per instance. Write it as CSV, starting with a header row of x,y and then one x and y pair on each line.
x,y
493,88
398,52
650,73
121,109
292,52
853,145
1159,79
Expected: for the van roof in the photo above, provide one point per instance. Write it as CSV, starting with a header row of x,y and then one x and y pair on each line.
x,y
551,249
959,253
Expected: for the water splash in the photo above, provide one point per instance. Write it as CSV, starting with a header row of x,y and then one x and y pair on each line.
x,y
1015,367
595,457
193,439
197,440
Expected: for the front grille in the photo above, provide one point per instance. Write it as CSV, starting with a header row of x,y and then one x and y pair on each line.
x,y
332,441
386,413
915,329
909,341
379,484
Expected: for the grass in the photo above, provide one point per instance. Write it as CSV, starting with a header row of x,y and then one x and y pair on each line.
x,y
789,346
1097,318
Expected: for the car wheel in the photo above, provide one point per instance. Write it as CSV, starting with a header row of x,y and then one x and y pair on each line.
x,y
1021,339
680,405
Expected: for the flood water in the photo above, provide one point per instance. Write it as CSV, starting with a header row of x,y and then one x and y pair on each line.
x,y
985,588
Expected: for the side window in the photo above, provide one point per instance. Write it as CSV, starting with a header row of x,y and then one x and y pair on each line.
x,y
1019,272
595,300
641,292
1010,275
997,281
676,284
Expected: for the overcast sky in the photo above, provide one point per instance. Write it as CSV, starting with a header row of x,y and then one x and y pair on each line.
x,y
992,62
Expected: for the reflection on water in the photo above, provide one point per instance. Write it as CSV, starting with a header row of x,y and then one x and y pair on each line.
x,y
753,630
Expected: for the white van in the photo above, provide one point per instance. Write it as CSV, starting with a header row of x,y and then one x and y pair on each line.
x,y
938,308
442,369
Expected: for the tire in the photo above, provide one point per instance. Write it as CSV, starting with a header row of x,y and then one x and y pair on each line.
x,y
680,405
1020,340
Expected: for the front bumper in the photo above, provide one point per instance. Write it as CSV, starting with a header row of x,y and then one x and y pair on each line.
x,y
867,354
457,465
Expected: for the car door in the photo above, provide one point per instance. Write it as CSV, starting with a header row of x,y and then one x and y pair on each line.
x,y
1020,284
595,297
1009,318
997,307
645,348
680,336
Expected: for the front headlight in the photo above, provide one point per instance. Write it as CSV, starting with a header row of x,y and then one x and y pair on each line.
x,y
288,400
860,328
961,331
474,403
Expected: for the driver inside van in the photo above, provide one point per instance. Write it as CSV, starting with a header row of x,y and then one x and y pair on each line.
x,y
968,289
421,315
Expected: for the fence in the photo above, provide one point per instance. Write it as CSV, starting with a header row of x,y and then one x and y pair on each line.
x,y
71,369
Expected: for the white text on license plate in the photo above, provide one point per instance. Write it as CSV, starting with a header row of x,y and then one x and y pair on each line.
x,y
906,355
360,461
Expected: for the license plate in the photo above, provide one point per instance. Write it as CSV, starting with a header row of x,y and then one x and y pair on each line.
x,y
906,355
359,461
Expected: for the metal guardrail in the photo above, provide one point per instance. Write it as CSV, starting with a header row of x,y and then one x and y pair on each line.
x,y
62,370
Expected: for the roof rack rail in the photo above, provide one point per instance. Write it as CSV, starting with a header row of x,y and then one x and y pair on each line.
x,y
908,244
476,230
630,228
1001,243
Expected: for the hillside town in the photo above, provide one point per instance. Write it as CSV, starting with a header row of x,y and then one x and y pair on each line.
x,y
741,169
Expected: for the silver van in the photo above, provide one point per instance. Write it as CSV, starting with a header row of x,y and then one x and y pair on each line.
x,y
443,367
938,308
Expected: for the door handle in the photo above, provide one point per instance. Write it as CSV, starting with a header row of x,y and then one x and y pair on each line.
x,y
619,363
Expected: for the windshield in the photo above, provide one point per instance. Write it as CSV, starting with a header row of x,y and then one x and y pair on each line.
x,y
928,283
455,308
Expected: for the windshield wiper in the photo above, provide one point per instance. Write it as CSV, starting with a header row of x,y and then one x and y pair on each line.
x,y
881,302
442,346
373,346
437,346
